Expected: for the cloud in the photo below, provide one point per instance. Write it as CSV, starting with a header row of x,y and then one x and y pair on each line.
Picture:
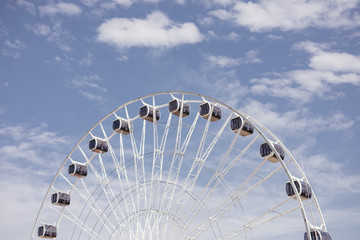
x,y
61,37
39,29
226,62
88,86
28,6
292,121
222,61
155,31
252,57
24,142
30,156
288,15
326,70
68,9
87,61
13,48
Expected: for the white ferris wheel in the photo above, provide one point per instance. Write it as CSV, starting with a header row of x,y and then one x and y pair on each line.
x,y
179,165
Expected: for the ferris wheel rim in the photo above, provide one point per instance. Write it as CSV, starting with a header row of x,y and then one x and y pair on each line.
x,y
252,120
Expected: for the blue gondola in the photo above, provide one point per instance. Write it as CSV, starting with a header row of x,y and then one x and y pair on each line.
x,y
146,112
121,126
98,145
239,126
206,109
78,170
317,234
47,231
61,199
175,108
267,152
302,187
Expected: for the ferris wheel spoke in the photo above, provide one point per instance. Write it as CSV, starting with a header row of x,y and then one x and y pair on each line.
x,y
89,200
174,171
81,225
200,160
109,194
258,222
218,178
230,202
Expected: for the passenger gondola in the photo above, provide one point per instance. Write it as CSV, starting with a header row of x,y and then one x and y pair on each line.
x,y
47,231
175,108
302,187
98,145
121,126
78,170
317,234
207,108
61,199
267,152
239,126
146,112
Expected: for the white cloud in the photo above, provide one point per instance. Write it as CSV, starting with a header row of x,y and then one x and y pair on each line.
x,y
252,57
330,177
232,36
13,48
337,62
291,14
28,6
326,70
222,61
61,37
155,31
16,44
87,61
91,96
88,86
39,29
294,122
24,142
69,9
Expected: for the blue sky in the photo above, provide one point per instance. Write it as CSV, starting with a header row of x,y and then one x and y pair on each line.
x,y
294,65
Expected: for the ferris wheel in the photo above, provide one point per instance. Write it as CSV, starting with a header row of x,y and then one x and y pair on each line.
x,y
179,165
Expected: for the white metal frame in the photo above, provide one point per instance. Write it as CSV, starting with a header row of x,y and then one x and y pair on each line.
x,y
153,199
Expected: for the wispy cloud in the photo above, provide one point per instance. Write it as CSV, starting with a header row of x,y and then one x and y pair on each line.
x,y
155,31
289,122
227,62
61,37
326,70
89,87
86,61
28,6
68,9
222,61
24,142
287,15
13,48
39,29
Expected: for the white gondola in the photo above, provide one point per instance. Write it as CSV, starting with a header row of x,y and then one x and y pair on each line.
x,y
267,152
61,199
302,188
175,108
47,231
317,234
78,170
207,108
98,145
121,126
239,126
146,112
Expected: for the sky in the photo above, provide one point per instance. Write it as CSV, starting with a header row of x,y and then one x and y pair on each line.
x,y
294,65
